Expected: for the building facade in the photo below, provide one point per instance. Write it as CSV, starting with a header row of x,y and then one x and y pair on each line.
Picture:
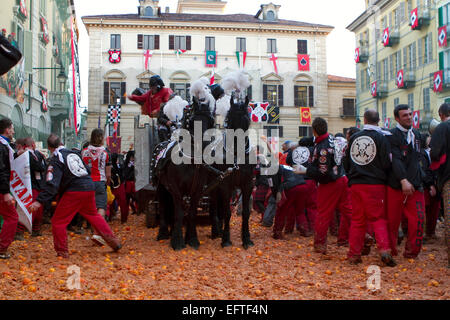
x,y
178,43
341,103
34,94
396,56
443,11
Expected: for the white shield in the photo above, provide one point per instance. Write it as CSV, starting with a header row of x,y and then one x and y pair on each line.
x,y
363,150
76,165
300,155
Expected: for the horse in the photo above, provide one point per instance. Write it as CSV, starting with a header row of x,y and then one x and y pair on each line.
x,y
241,177
180,185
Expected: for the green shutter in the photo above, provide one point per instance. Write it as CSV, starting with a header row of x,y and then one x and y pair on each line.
x,y
441,60
441,16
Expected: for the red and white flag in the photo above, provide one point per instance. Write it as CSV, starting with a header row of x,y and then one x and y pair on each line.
x,y
386,37
414,19
442,36
400,79
387,123
373,89
179,51
357,55
416,119
147,55
303,62
437,81
273,58
211,80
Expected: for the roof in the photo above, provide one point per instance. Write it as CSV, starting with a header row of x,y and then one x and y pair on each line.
x,y
240,18
332,78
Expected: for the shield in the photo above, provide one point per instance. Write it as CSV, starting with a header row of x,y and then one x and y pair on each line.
x,y
414,20
442,36
357,55
437,81
386,37
400,80
416,119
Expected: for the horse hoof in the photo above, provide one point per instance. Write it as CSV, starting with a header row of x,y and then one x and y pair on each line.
x,y
248,244
178,246
226,244
162,236
194,244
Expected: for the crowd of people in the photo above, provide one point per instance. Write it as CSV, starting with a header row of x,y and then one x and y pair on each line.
x,y
381,187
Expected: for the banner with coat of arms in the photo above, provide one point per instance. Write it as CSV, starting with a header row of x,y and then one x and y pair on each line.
x,y
210,59
258,111
305,115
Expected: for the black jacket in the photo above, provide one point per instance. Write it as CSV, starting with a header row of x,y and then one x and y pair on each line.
x,y
367,158
162,118
405,160
71,176
37,170
5,169
286,179
323,168
117,175
430,177
440,146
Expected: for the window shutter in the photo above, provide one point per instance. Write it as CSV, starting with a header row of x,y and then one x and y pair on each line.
x,y
419,55
295,96
171,42
264,92
118,42
441,17
123,90
280,95
188,93
311,96
106,92
140,40
430,47
156,42
188,42
441,60
249,93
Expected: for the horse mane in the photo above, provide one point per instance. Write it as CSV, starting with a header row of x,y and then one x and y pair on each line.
x,y
237,117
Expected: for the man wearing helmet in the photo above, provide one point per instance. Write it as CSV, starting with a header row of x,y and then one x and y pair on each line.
x,y
152,100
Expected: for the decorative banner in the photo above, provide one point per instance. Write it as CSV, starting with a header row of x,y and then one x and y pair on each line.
x,y
241,59
179,51
416,119
74,80
210,59
386,37
273,58
20,186
400,79
373,89
387,123
113,114
437,81
44,29
259,111
357,55
414,19
274,115
211,80
114,56
274,144
305,115
114,144
147,55
44,103
303,62
442,36
23,8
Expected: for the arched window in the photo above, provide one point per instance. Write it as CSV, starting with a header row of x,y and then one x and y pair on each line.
x,y
270,15
148,12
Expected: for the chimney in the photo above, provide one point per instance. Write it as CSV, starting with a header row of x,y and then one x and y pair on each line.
x,y
167,10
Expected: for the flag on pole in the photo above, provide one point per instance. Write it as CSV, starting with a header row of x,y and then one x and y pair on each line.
x,y
416,119
179,51
414,18
147,55
273,58
210,59
241,58
211,80
442,36
437,81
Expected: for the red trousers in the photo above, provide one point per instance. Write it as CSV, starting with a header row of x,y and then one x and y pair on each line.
x,y
36,216
130,187
70,203
305,219
414,210
332,196
368,208
121,198
296,201
10,220
432,206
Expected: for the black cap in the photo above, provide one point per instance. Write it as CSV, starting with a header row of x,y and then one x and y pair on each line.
x,y
216,91
156,81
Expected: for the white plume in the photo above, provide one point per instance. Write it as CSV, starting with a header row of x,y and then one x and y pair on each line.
x,y
223,105
200,88
236,80
174,108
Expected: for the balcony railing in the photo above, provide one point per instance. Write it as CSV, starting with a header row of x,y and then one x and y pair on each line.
x,y
382,89
394,36
445,80
363,54
409,78
60,99
424,16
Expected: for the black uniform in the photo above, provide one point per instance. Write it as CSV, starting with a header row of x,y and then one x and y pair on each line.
x,y
37,168
5,169
440,145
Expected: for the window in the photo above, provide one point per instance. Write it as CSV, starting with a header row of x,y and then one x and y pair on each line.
x,y
383,111
412,55
304,96
240,45
363,79
410,6
446,14
148,42
272,131
302,46
181,89
270,15
396,102
305,131
398,62
148,12
428,49
411,100
348,107
42,65
273,94
385,70
402,9
426,99
271,45
112,91
391,66
115,41
419,53
19,38
210,44
179,42
43,7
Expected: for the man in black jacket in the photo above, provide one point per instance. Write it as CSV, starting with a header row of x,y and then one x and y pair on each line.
x,y
440,156
7,209
333,192
405,185
367,162
68,176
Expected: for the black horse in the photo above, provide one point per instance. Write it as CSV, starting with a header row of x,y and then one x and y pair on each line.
x,y
241,177
180,185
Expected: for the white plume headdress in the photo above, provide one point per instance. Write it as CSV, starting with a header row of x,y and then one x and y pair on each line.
x,y
174,108
201,91
236,81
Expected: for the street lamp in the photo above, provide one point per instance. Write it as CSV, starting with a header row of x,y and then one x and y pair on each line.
x,y
62,78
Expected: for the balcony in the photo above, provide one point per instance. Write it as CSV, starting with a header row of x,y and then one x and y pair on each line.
x,y
394,37
382,90
409,79
445,80
424,17
60,105
363,54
